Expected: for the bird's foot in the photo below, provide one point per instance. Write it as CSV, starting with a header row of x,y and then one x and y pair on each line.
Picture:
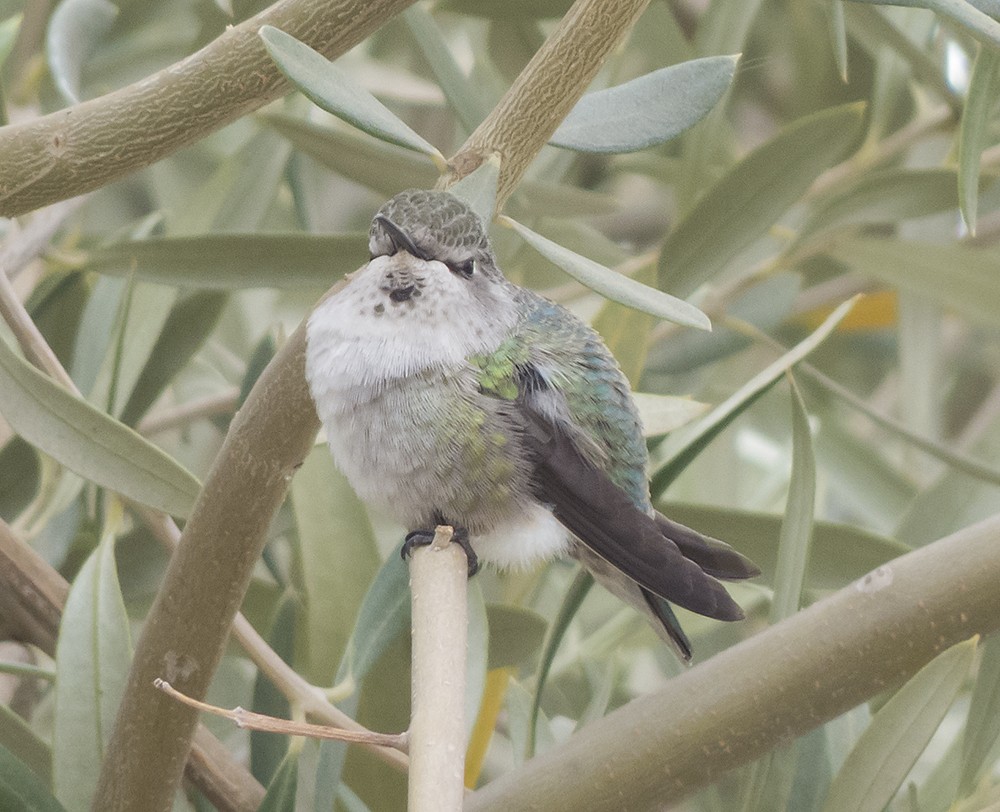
x,y
460,536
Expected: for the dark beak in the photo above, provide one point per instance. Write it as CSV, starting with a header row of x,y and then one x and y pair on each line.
x,y
400,239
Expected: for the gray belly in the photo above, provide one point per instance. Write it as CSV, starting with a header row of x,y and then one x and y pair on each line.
x,y
430,448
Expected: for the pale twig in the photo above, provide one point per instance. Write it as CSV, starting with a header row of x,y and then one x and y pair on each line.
x,y
248,720
289,682
223,402
438,587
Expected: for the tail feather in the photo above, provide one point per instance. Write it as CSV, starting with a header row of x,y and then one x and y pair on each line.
x,y
714,557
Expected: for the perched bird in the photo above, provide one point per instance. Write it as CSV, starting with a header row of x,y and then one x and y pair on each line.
x,y
452,396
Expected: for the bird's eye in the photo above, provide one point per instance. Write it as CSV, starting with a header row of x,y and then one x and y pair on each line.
x,y
464,268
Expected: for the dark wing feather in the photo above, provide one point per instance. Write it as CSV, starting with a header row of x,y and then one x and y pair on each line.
x,y
605,519
715,557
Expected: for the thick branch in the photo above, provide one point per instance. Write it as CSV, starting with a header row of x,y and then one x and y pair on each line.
x,y
546,90
188,624
732,709
90,144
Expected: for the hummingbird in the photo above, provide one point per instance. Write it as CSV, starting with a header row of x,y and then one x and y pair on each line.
x,y
451,396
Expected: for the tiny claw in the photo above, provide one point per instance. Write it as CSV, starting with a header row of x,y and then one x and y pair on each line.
x,y
422,538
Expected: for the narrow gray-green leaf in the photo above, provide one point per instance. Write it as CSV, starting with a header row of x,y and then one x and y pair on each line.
x,y
614,286
982,727
479,188
281,791
458,90
331,88
955,275
516,635
23,790
73,34
383,617
796,528
339,559
8,36
383,167
685,444
235,261
17,737
978,24
89,442
884,196
648,110
838,37
750,198
888,749
92,661
980,104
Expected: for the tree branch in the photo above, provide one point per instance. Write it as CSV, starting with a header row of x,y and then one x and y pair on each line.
x,y
546,90
90,144
870,636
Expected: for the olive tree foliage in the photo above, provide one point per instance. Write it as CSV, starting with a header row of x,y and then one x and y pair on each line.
x,y
181,181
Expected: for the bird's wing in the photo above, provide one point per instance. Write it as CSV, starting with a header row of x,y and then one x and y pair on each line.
x,y
603,517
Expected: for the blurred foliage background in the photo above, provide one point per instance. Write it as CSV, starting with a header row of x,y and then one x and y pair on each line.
x,y
854,152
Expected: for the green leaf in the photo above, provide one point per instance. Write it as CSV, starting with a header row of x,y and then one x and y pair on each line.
x,y
979,25
955,275
280,795
839,553
383,617
189,323
838,37
92,661
8,36
973,133
899,732
144,310
18,739
268,750
571,602
750,198
614,286
339,559
21,789
982,727
796,528
458,90
331,88
686,444
88,442
235,261
385,168
648,110
884,196
74,32
479,189
516,635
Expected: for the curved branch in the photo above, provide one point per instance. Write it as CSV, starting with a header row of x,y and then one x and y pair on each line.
x,y
785,681
546,90
90,144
